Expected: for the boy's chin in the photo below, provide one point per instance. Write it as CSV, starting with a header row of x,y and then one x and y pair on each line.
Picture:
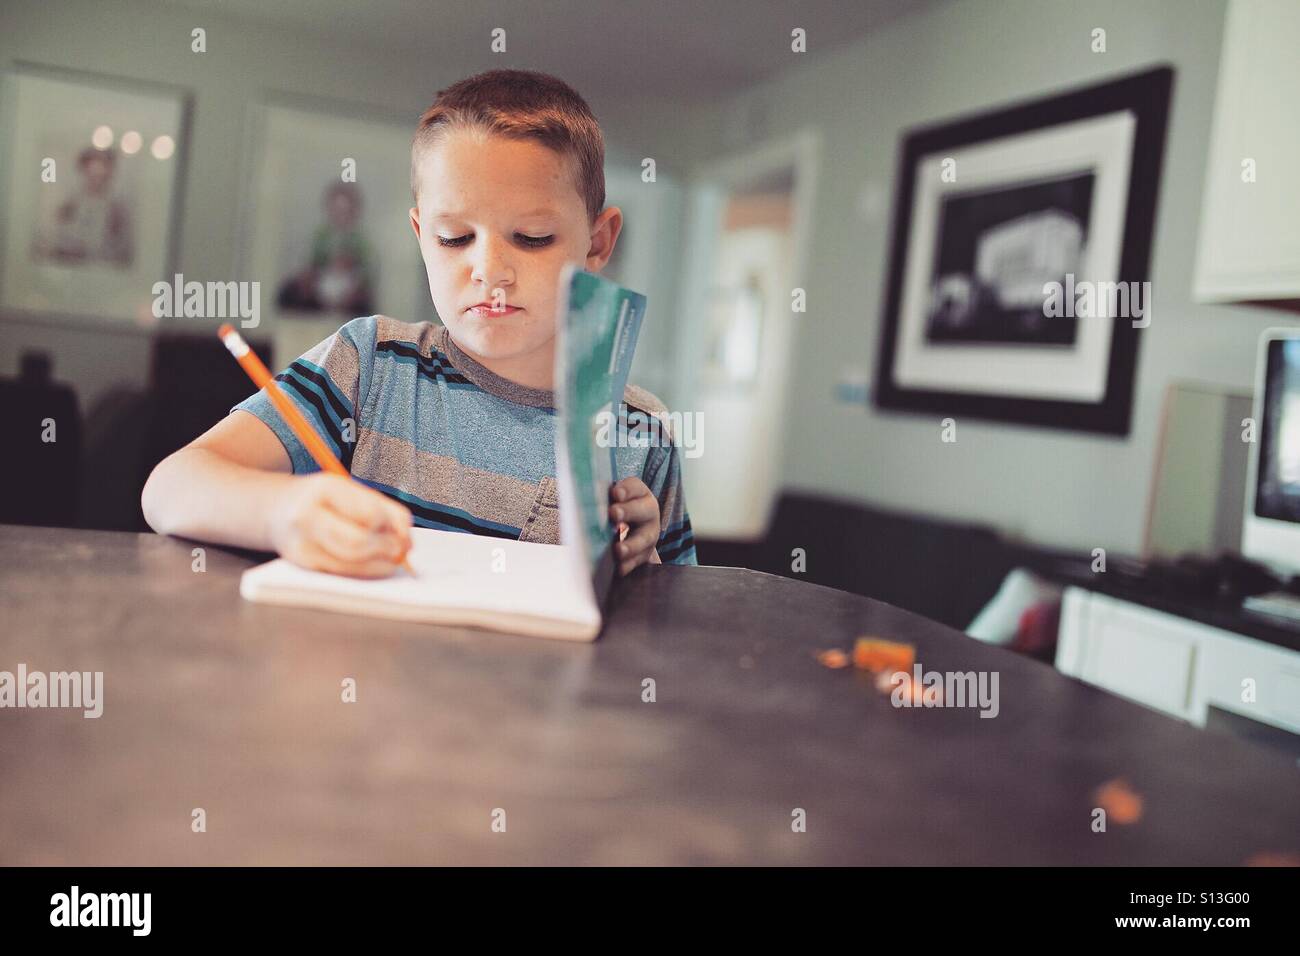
x,y
498,342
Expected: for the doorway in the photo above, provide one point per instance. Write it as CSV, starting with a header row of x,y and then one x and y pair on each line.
x,y
745,257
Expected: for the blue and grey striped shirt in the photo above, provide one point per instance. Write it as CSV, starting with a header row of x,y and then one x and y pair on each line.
x,y
411,415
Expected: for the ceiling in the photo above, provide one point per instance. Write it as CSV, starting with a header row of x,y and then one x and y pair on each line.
x,y
664,48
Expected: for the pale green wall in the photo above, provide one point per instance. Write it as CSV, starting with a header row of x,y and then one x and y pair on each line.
x,y
151,41
1054,487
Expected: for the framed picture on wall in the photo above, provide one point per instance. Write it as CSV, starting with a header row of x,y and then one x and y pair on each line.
x,y
1017,284
325,220
92,183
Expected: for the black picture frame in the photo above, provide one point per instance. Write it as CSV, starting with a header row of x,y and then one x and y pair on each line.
x,y
1147,95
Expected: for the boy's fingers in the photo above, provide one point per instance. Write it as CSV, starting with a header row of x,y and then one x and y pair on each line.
x,y
639,543
628,488
338,536
631,564
636,510
368,508
351,543
399,520
355,502
394,516
401,515
324,561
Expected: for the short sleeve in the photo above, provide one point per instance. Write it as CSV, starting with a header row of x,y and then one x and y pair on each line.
x,y
663,476
328,383
647,447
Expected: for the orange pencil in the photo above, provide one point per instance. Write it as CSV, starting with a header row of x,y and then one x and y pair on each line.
x,y
261,377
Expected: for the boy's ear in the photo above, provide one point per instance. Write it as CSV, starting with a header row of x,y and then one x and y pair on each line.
x,y
415,221
604,235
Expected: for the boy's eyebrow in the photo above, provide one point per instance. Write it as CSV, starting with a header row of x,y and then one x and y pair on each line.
x,y
458,215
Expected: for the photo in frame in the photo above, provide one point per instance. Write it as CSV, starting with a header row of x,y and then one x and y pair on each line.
x,y
93,175
1002,222
326,227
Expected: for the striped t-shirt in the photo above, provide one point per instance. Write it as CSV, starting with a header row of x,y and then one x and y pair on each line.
x,y
411,415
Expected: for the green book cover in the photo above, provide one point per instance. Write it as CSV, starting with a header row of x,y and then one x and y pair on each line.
x,y
596,339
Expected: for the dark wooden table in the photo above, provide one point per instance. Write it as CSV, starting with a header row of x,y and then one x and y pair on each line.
x,y
215,703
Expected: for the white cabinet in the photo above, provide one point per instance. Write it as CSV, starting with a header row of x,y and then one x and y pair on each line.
x,y
1251,679
1144,657
1175,665
1249,243
1137,653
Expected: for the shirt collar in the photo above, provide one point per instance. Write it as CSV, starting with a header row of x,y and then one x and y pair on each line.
x,y
490,381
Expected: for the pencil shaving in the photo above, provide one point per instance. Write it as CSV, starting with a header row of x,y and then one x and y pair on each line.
x,y
834,658
1122,804
876,655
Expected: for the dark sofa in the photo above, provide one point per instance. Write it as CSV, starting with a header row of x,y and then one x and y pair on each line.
x,y
942,569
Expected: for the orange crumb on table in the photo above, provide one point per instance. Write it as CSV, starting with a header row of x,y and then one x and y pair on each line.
x,y
875,655
1118,799
833,658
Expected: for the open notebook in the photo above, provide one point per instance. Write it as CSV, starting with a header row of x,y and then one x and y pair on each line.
x,y
529,592
522,587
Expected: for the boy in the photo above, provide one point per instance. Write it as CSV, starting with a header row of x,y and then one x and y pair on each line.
x,y
448,426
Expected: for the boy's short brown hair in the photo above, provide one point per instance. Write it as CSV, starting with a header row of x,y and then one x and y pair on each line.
x,y
521,104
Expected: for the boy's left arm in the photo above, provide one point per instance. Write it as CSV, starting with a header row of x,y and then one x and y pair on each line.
x,y
654,508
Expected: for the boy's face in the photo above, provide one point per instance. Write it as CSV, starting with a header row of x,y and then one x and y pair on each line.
x,y
513,215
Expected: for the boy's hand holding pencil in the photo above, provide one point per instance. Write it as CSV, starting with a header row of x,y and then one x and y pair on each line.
x,y
331,523
328,522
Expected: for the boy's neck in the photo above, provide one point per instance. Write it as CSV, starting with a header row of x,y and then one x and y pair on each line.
x,y
531,371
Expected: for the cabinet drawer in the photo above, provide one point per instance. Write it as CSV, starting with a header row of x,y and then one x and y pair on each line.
x,y
1230,660
1141,654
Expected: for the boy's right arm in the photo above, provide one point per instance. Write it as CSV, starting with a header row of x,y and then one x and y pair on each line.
x,y
234,485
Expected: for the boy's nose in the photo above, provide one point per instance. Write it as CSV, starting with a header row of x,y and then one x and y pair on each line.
x,y
491,266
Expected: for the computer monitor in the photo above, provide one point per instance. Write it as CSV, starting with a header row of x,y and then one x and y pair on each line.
x,y
1271,525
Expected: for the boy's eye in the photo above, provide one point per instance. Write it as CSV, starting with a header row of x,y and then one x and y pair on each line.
x,y
535,242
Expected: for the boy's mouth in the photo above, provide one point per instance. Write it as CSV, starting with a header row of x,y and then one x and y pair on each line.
x,y
486,310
